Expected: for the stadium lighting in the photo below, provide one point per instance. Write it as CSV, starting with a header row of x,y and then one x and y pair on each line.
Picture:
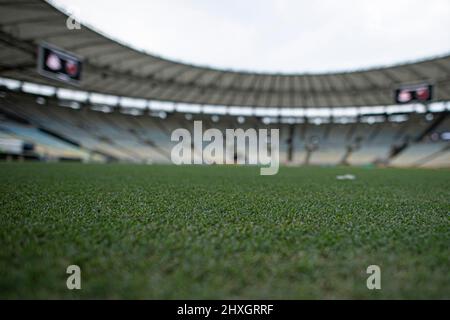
x,y
101,108
240,111
420,108
445,136
166,106
41,100
190,108
317,112
161,106
344,112
372,119
98,98
344,120
267,120
436,107
372,110
407,108
398,118
131,111
11,84
266,112
133,103
292,112
69,104
291,120
68,94
319,120
162,114
33,88
210,109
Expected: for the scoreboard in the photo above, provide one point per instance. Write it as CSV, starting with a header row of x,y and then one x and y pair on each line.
x,y
58,64
414,93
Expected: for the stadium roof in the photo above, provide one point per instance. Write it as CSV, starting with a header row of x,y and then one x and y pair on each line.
x,y
114,68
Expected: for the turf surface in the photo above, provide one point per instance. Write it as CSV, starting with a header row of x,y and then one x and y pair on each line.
x,y
222,232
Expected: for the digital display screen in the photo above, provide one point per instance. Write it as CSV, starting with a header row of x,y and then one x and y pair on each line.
x,y
59,64
416,93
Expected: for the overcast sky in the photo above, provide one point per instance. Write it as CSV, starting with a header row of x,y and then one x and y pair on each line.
x,y
275,35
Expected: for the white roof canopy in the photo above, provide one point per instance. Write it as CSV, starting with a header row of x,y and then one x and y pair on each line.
x,y
112,68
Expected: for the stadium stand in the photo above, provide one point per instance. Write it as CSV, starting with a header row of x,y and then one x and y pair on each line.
x,y
88,135
128,102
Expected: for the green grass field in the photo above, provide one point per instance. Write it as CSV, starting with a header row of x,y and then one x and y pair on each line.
x,y
222,232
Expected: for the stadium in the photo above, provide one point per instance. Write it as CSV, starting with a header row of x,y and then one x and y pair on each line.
x,y
88,177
